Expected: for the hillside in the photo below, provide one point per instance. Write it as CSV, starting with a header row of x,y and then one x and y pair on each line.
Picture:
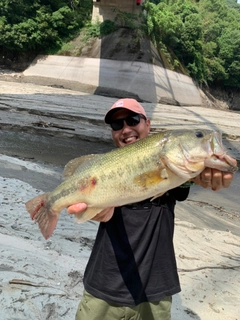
x,y
125,45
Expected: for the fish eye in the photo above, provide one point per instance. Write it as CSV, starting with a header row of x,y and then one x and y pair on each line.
x,y
199,134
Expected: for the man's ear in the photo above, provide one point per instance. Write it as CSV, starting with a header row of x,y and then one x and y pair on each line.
x,y
148,124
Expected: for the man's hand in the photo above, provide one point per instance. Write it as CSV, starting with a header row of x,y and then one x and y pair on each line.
x,y
103,216
215,179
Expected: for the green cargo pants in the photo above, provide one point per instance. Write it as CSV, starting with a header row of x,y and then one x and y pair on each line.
x,y
92,308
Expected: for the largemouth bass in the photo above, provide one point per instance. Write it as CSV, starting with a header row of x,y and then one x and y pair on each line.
x,y
144,169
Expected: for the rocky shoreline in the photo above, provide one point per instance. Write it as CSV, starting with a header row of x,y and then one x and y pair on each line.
x,y
41,279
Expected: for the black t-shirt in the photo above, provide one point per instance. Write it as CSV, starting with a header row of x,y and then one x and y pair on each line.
x,y
133,257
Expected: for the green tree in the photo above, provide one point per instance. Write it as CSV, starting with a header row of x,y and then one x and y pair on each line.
x,y
176,25
40,25
204,35
221,26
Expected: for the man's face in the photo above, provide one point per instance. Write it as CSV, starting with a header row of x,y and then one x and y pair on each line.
x,y
129,134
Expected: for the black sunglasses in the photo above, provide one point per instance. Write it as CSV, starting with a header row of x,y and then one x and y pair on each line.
x,y
131,121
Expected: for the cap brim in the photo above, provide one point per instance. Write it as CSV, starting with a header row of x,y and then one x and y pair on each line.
x,y
110,113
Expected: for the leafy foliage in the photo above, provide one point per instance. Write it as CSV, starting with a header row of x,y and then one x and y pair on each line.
x,y
40,25
204,35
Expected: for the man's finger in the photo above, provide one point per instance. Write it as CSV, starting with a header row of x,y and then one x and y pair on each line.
x,y
77,208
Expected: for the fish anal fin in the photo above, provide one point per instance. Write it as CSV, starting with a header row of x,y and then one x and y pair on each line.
x,y
87,214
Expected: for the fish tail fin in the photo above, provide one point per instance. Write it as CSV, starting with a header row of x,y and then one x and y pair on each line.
x,y
46,219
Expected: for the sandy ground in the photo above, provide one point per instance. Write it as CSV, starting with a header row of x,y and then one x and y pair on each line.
x,y
43,279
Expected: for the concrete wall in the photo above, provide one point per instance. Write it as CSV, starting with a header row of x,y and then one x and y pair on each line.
x,y
140,80
106,9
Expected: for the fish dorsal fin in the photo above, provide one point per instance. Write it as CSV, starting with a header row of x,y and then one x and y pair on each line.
x,y
77,164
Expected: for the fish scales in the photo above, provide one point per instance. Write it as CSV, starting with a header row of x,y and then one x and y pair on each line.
x,y
144,169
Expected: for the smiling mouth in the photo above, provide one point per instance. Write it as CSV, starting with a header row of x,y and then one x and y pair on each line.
x,y
129,140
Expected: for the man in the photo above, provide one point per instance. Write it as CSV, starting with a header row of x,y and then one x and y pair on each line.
x,y
132,272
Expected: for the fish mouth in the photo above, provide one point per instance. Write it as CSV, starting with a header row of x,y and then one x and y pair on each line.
x,y
215,156
221,162
219,159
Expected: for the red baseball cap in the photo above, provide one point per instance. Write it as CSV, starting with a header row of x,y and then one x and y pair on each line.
x,y
127,103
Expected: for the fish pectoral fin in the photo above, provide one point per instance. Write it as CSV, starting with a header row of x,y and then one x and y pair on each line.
x,y
87,214
151,178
